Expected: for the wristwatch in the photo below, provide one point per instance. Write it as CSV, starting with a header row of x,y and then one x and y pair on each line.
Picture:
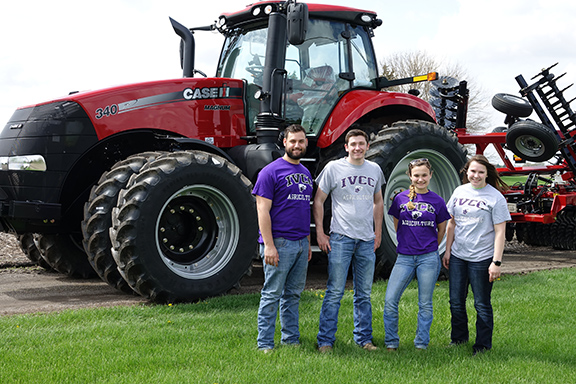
x,y
497,263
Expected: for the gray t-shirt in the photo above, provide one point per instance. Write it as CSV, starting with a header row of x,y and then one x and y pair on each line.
x,y
476,211
352,188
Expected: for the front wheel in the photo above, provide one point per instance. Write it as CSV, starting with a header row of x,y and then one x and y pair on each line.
x,y
26,242
393,149
98,217
185,228
65,254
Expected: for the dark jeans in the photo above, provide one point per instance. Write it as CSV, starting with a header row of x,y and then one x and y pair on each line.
x,y
464,273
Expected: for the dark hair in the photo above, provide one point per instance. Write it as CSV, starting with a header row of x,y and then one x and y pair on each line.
x,y
355,132
493,177
293,129
412,194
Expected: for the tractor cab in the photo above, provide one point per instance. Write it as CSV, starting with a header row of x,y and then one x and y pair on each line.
x,y
336,55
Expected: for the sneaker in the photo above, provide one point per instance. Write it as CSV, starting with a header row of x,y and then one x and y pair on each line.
x,y
456,343
391,349
369,347
479,351
266,350
325,349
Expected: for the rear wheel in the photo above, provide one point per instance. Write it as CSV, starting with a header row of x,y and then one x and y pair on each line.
x,y
393,148
185,228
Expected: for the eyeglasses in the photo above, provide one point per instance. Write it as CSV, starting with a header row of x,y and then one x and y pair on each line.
x,y
416,161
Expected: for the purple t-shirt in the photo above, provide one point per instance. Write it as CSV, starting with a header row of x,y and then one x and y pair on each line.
x,y
289,186
417,233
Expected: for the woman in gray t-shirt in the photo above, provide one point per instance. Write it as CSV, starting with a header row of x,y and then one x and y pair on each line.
x,y
475,238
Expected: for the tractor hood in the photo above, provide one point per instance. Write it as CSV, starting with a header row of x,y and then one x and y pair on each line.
x,y
209,109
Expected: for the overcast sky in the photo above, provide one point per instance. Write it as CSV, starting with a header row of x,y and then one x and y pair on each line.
x,y
49,48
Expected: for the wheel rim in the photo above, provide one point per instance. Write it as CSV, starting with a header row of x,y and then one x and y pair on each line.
x,y
444,180
197,231
530,145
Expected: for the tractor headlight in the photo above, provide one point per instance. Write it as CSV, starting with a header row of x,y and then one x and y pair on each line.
x,y
23,163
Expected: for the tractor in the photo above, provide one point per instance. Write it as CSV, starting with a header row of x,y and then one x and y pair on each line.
x,y
148,185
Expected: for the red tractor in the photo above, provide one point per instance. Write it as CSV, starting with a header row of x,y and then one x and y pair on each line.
x,y
149,185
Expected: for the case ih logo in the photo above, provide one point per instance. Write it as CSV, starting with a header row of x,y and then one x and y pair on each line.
x,y
206,93
173,97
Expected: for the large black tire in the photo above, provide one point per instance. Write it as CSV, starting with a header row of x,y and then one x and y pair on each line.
x,y
512,105
98,218
64,253
185,228
532,141
393,148
26,242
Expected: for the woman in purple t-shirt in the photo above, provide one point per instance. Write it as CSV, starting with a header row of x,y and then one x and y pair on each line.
x,y
420,217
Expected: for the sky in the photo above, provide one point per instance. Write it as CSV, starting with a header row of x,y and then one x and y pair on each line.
x,y
50,48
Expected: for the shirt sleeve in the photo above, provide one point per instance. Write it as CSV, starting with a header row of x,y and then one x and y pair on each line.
x,y
393,210
500,212
443,213
324,179
264,186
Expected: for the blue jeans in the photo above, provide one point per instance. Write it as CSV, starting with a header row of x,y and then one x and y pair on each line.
x,y
282,288
426,269
360,254
463,273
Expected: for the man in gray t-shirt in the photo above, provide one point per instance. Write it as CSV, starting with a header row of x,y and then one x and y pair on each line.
x,y
355,185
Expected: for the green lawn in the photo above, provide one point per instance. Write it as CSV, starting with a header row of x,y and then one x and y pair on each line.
x,y
214,342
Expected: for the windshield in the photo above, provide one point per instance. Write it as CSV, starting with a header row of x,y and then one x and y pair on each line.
x,y
314,68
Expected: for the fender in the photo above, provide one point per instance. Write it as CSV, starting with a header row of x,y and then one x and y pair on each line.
x,y
361,102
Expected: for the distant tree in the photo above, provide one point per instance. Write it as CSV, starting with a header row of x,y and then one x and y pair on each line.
x,y
411,63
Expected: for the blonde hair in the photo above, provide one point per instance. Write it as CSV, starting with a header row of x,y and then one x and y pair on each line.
x,y
412,194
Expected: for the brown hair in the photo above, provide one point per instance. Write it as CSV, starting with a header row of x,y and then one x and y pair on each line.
x,y
412,194
493,177
293,129
355,132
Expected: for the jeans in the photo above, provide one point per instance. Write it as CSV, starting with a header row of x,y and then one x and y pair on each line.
x,y
282,288
463,273
344,252
426,269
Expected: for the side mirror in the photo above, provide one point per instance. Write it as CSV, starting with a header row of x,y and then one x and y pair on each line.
x,y
297,23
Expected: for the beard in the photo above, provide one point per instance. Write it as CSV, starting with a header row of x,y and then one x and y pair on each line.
x,y
290,154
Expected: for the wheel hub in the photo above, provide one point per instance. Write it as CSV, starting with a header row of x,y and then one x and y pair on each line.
x,y
182,230
530,145
197,231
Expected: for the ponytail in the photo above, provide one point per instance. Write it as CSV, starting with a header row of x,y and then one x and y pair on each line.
x,y
411,195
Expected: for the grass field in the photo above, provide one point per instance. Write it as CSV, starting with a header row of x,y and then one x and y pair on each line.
x,y
215,342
